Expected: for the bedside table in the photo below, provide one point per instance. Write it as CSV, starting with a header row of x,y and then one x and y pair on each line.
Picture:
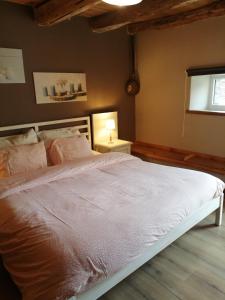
x,y
116,146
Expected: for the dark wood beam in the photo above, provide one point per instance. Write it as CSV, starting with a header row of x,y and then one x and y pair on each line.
x,y
146,10
55,11
213,10
28,2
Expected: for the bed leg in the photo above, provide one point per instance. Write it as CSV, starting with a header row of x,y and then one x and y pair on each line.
x,y
219,213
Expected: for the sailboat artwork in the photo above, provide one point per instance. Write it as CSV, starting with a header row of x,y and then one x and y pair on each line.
x,y
60,87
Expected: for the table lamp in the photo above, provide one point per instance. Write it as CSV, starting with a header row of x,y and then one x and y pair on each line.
x,y
110,125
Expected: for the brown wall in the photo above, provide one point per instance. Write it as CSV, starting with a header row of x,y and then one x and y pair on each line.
x,y
66,47
163,57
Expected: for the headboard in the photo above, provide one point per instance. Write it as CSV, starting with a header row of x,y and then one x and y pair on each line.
x,y
83,124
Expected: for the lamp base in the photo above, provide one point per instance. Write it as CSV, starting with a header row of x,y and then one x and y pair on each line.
x,y
110,139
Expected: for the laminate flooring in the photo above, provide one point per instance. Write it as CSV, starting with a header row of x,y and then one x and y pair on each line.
x,y
192,268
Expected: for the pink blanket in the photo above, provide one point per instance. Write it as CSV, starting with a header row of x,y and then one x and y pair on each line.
x,y
64,228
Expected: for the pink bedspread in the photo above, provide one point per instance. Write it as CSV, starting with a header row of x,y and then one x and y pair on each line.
x,y
64,228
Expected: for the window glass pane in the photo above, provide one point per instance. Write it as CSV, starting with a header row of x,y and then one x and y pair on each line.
x,y
219,92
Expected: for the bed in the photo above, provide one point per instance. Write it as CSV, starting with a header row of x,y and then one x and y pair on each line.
x,y
117,213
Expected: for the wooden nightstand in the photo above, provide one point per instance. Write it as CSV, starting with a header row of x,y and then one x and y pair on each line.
x,y
116,146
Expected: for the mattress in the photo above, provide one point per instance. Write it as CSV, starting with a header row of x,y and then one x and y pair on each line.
x,y
65,228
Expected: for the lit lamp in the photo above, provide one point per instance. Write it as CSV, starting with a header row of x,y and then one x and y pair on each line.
x,y
110,125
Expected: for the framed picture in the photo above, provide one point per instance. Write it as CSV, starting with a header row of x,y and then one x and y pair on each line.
x,y
60,87
11,66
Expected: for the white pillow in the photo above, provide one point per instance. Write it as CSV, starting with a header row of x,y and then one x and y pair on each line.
x,y
30,137
49,135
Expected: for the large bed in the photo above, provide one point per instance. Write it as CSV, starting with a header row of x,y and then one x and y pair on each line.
x,y
73,231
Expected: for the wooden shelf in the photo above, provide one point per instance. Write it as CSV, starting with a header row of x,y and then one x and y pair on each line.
x,y
194,160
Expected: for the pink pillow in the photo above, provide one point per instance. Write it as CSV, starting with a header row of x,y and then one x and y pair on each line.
x,y
22,158
68,149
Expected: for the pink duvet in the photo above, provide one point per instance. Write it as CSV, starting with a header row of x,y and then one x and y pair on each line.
x,y
64,228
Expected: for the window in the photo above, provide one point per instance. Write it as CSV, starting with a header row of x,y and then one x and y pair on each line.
x,y
217,97
207,90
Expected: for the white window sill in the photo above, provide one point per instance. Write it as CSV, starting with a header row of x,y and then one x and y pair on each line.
x,y
206,112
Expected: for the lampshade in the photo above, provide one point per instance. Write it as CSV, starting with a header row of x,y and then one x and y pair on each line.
x,y
122,2
110,124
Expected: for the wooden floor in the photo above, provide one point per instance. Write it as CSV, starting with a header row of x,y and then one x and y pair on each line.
x,y
192,268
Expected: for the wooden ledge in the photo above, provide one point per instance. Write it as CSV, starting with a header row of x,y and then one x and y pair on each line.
x,y
185,158
205,112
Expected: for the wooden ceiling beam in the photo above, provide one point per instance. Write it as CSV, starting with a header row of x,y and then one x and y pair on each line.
x,y
146,10
213,10
33,3
55,11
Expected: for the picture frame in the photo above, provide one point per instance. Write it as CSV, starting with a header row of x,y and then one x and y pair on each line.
x,y
11,66
59,87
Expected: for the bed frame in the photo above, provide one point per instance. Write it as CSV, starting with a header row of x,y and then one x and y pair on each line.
x,y
75,122
215,205
104,286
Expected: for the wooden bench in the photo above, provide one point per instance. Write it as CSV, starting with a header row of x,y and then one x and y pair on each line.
x,y
178,157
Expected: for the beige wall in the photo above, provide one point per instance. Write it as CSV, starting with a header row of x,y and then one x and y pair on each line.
x,y
163,56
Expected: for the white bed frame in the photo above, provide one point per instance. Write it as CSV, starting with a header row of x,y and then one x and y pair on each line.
x,y
215,205
102,287
38,126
